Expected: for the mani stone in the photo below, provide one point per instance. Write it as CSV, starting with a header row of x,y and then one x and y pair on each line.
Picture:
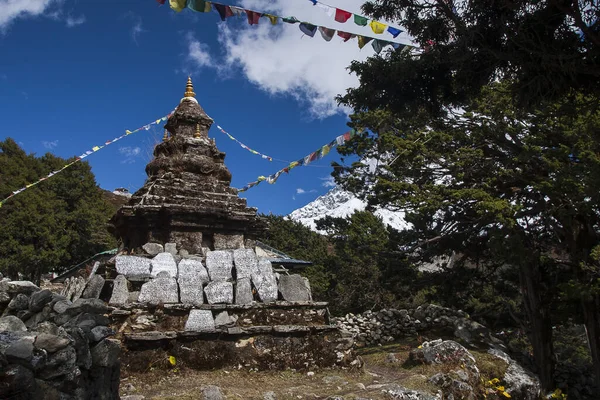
x,y
245,262
153,248
200,321
171,248
243,291
191,278
93,287
225,242
161,290
133,266
120,293
219,264
219,292
164,262
294,288
265,282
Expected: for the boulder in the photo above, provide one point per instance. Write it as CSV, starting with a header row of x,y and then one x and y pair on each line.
x,y
24,287
293,288
519,383
164,262
93,288
93,306
10,323
171,248
191,278
95,268
4,297
18,303
120,293
200,321
132,266
50,343
219,265
100,332
245,262
223,319
219,292
47,327
397,392
212,392
60,363
450,386
20,350
264,281
61,306
82,347
243,291
106,353
161,290
17,382
74,288
39,299
153,248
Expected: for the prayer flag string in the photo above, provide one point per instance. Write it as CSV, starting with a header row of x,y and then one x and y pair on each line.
x,y
315,155
84,155
226,11
244,146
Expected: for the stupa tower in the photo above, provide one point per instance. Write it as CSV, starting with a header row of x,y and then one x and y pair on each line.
x,y
187,198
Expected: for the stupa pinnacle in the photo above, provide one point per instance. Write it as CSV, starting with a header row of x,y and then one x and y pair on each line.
x,y
187,198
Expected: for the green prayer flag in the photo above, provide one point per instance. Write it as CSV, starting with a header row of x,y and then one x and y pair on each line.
x,y
199,5
360,20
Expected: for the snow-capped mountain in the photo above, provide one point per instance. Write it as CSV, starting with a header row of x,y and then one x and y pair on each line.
x,y
340,203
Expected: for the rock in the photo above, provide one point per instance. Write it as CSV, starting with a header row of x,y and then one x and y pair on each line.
x,y
453,387
95,268
191,278
293,288
245,262
39,299
164,262
100,332
25,287
171,248
50,343
106,353
120,293
159,291
61,306
200,321
212,392
219,292
264,281
153,248
10,323
269,396
219,265
243,291
93,287
132,266
224,242
519,383
223,319
18,303
60,363
82,347
47,327
440,352
397,392
74,288
20,350
4,297
133,297
17,382
92,306
133,397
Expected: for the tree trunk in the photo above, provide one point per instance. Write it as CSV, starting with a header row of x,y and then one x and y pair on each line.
x,y
591,318
540,333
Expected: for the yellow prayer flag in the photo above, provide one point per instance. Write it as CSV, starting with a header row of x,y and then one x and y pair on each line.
x,y
128,132
378,27
273,18
158,121
177,5
293,164
363,40
95,148
261,178
325,150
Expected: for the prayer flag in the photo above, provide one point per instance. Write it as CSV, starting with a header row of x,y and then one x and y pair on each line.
x,y
326,33
198,5
360,20
328,10
308,29
161,2
378,45
293,164
314,2
261,178
273,18
395,32
253,17
347,136
363,40
398,46
342,15
236,11
177,5
345,35
224,11
314,156
128,132
377,27
290,20
325,150
95,148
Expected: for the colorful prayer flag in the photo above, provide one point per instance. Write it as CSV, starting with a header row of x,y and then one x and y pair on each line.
x,y
224,11
342,15
95,148
308,29
198,5
272,18
253,17
327,33
395,32
177,5
328,10
378,45
363,40
345,35
377,27
290,20
237,11
360,20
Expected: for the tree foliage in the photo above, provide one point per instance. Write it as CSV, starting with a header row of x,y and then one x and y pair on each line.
x,y
57,223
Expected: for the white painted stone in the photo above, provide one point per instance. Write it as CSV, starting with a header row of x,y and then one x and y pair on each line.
x,y
120,293
219,264
192,277
164,262
245,262
132,266
264,281
160,290
219,292
200,321
243,291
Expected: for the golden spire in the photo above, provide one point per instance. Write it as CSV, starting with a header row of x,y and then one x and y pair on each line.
x,y
165,136
189,89
197,134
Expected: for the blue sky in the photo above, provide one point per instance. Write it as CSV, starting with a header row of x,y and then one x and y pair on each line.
x,y
74,74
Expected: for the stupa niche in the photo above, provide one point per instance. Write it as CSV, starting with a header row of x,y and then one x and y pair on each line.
x,y
187,198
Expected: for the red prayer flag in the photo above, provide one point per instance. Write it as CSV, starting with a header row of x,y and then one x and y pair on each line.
x,y
161,1
345,35
341,15
346,136
253,17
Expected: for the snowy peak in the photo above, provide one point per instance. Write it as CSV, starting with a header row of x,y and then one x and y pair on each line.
x,y
339,203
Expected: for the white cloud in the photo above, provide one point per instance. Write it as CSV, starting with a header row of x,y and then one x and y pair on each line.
x,y
281,60
300,191
50,145
130,153
328,182
74,21
199,53
10,10
136,25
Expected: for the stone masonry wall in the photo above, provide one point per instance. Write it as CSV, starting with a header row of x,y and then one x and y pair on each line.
x,y
53,348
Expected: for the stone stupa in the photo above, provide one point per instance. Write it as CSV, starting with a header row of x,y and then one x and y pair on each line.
x,y
187,198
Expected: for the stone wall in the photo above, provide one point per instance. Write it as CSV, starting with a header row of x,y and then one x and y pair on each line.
x,y
55,348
